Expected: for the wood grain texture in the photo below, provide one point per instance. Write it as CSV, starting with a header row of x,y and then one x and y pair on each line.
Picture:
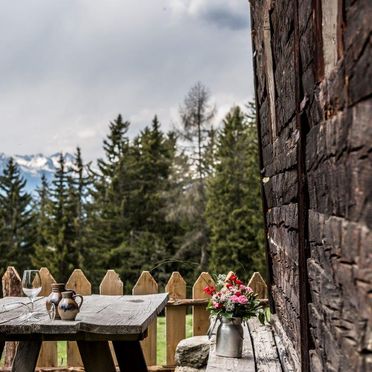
x,y
222,364
200,316
145,285
26,356
175,317
81,285
265,351
111,284
48,356
96,356
12,286
103,316
258,285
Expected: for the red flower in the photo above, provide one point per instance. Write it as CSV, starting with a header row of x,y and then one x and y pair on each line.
x,y
238,294
228,285
239,282
210,290
233,278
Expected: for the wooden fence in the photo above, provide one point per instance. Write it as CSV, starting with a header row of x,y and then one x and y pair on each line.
x,y
111,284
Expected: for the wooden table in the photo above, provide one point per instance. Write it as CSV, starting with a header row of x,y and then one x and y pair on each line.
x,y
121,319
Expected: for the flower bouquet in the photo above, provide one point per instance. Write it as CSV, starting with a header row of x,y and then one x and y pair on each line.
x,y
232,303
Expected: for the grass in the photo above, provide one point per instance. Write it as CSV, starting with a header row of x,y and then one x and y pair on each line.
x,y
161,346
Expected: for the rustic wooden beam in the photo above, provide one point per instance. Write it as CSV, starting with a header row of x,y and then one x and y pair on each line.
x,y
269,262
96,356
202,302
130,356
303,202
26,356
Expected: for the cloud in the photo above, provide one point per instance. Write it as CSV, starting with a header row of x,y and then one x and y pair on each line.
x,y
221,13
69,67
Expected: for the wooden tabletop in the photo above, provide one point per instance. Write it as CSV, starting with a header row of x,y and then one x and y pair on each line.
x,y
100,318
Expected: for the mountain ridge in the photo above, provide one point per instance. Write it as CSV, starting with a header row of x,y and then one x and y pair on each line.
x,y
33,166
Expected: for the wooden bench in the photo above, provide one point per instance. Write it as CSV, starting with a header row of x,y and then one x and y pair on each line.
x,y
260,353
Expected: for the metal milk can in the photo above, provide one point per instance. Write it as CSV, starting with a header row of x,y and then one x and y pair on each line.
x,y
229,338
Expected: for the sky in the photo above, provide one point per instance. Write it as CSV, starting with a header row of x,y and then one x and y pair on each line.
x,y
69,67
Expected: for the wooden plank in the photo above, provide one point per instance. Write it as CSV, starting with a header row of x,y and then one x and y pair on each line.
x,y
258,285
146,284
175,318
101,316
81,285
111,285
130,356
264,346
222,364
287,353
200,316
48,356
12,286
96,356
26,356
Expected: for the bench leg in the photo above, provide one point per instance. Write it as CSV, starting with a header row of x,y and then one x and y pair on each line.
x,y
26,356
130,356
96,356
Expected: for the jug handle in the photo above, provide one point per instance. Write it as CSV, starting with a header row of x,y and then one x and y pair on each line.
x,y
81,299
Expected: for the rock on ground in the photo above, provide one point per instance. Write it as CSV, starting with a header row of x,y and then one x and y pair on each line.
x,y
192,352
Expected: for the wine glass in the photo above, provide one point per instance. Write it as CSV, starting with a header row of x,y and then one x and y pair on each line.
x,y
31,286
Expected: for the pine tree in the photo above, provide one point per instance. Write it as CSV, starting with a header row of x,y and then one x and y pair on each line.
x,y
142,180
196,115
17,233
57,248
105,229
233,210
79,187
43,255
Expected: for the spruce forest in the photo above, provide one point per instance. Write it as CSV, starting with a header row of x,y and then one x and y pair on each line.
x,y
187,200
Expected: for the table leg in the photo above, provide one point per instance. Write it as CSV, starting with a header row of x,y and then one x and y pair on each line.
x,y
96,356
26,356
130,356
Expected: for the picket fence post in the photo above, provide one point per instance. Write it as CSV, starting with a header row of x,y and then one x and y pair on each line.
x,y
81,285
146,284
200,316
175,317
48,353
258,285
12,286
111,285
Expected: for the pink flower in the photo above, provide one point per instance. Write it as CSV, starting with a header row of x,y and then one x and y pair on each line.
x,y
242,300
217,305
234,299
249,289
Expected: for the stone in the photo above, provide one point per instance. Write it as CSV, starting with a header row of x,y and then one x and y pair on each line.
x,y
192,352
189,369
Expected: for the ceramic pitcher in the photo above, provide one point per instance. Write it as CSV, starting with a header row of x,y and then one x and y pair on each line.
x,y
68,308
55,297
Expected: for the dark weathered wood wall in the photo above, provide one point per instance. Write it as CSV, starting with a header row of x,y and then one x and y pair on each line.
x,y
313,76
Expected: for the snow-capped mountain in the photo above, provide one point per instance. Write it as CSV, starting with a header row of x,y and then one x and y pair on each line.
x,y
32,167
